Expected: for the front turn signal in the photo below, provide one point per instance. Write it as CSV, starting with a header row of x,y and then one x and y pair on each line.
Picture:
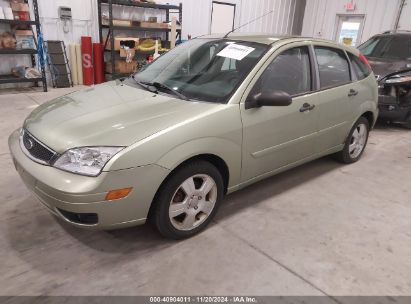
x,y
118,194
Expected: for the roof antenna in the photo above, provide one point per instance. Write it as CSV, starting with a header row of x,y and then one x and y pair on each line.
x,y
256,19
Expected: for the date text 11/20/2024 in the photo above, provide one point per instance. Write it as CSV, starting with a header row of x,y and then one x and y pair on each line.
x,y
203,299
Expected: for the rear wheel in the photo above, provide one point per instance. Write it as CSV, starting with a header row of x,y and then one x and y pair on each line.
x,y
188,200
356,142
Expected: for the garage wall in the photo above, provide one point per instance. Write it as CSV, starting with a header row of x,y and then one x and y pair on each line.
x,y
197,15
286,19
84,21
321,16
405,19
281,21
84,15
7,62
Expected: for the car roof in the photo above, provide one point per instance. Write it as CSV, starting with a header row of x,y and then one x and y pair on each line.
x,y
273,39
395,33
254,37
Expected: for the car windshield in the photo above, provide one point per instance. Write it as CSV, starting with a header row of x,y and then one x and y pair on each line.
x,y
391,47
203,69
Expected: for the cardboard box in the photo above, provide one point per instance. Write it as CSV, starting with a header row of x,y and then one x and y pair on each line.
x,y
150,24
19,7
123,67
25,42
118,41
135,23
23,33
123,53
117,22
161,25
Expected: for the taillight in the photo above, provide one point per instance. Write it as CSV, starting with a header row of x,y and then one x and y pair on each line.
x,y
365,61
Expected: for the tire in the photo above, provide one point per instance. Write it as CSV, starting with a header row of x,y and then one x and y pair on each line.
x,y
355,143
181,208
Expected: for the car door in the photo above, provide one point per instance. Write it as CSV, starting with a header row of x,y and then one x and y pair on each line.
x,y
274,137
335,98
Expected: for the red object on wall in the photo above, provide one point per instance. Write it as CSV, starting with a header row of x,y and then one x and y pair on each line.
x,y
350,6
99,76
87,60
22,16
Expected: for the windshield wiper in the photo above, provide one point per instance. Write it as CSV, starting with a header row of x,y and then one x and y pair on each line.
x,y
153,87
144,85
162,86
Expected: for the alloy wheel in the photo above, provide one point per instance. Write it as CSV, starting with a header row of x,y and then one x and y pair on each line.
x,y
193,202
358,141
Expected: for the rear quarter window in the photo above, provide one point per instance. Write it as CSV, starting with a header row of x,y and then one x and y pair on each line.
x,y
360,69
333,67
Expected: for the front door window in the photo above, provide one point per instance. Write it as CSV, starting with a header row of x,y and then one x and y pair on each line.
x,y
289,72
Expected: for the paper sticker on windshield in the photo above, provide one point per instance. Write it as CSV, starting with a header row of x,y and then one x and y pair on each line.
x,y
236,51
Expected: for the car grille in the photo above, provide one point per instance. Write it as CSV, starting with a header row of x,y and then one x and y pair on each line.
x,y
36,150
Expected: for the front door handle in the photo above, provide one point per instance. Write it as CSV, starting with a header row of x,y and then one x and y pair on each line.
x,y
352,93
307,107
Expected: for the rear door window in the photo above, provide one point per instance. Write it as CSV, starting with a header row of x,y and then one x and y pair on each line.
x,y
360,69
333,67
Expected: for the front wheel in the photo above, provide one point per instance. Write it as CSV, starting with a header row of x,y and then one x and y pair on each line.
x,y
188,200
355,143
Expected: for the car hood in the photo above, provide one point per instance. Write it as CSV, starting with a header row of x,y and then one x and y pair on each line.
x,y
383,66
111,114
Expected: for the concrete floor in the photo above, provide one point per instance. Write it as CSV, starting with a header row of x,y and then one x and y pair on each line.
x,y
323,228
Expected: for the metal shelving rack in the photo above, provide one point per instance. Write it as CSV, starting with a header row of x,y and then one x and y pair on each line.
x,y
169,9
12,79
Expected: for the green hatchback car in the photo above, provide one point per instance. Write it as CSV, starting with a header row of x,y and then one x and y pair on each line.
x,y
210,117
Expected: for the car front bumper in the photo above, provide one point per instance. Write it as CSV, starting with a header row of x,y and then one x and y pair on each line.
x,y
80,200
390,110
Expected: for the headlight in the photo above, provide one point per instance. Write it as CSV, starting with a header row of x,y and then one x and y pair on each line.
x,y
86,160
398,79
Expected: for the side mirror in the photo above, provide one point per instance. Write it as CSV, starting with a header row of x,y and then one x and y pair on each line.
x,y
272,99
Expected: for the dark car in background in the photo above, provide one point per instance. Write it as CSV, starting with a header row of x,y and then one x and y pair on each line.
x,y
389,55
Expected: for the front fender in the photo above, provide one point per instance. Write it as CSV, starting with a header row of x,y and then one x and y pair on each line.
x,y
228,151
217,132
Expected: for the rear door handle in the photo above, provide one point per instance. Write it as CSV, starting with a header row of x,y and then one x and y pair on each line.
x,y
352,93
307,107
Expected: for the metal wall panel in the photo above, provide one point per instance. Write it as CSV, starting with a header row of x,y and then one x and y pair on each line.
x,y
280,21
197,16
321,16
405,20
